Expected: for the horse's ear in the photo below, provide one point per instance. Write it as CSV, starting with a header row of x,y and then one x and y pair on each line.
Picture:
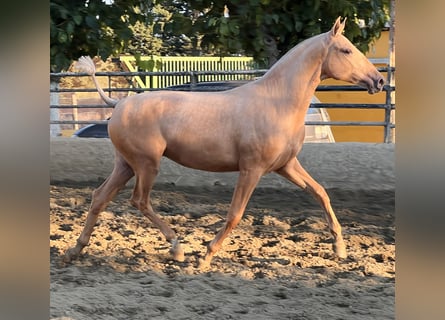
x,y
338,27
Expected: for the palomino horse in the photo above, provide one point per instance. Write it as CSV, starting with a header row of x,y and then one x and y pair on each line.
x,y
255,129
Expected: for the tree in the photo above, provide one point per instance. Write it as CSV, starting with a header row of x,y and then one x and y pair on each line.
x,y
107,28
180,33
143,42
91,27
264,29
267,29
167,32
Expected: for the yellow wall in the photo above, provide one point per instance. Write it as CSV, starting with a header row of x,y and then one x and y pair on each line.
x,y
379,50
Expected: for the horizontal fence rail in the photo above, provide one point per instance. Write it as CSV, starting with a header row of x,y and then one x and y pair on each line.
x,y
196,77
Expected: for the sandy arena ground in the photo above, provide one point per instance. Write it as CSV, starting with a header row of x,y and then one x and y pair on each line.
x,y
277,264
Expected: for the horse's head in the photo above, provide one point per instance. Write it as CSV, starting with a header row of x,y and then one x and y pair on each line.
x,y
345,62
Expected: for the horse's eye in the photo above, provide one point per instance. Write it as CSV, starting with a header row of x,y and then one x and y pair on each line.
x,y
346,50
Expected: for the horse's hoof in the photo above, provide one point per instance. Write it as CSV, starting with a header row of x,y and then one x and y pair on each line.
x,y
178,255
177,252
203,265
70,255
340,249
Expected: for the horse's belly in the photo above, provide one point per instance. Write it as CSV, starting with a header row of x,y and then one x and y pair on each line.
x,y
208,158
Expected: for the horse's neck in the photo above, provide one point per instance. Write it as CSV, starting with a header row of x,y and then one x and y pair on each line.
x,y
297,74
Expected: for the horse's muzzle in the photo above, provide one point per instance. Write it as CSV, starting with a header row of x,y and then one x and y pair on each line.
x,y
377,85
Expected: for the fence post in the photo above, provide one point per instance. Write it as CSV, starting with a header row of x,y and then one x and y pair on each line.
x,y
75,113
388,109
193,80
391,82
54,114
109,85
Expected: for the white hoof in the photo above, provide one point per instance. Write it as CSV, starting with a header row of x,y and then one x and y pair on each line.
x,y
176,251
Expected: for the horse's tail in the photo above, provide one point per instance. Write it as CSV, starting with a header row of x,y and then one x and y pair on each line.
x,y
86,64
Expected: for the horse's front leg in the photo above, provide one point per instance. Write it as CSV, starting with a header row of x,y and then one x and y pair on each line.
x,y
247,181
294,172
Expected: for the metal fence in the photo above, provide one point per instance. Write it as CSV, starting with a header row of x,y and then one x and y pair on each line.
x,y
195,77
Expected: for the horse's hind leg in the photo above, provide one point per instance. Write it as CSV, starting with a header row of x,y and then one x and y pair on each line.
x,y
122,172
145,177
294,172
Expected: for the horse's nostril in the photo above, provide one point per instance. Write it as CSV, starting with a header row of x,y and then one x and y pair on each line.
x,y
381,83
